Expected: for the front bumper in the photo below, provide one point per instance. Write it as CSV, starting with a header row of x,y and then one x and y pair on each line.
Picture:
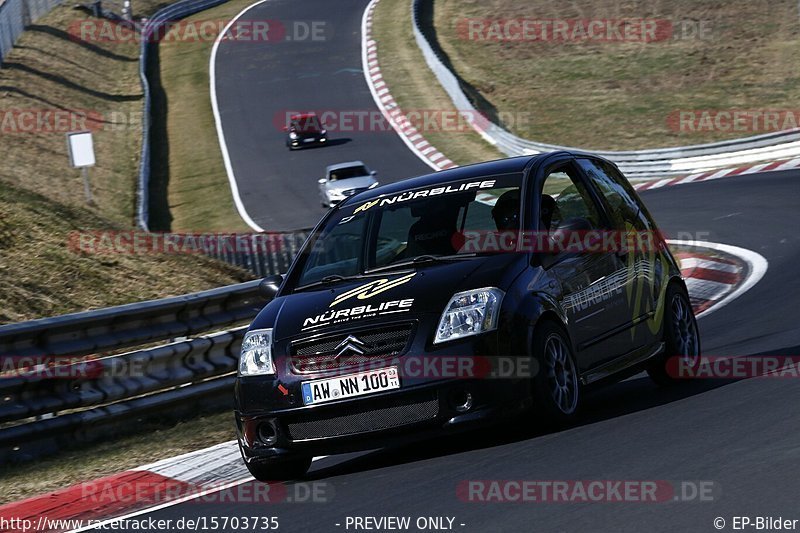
x,y
427,402
378,420
308,141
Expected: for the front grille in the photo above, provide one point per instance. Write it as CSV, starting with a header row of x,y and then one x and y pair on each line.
x,y
365,419
319,354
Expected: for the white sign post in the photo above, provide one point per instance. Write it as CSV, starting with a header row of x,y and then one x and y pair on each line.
x,y
81,155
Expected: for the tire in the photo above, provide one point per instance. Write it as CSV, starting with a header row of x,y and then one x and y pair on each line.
x,y
280,470
681,338
556,387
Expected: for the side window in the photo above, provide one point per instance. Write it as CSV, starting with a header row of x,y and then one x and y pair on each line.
x,y
478,215
622,205
566,203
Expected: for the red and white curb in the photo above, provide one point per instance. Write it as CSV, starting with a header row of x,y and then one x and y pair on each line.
x,y
198,474
708,279
716,279
409,134
720,173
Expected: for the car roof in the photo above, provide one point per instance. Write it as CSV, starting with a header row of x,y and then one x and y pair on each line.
x,y
349,164
302,116
501,166
509,165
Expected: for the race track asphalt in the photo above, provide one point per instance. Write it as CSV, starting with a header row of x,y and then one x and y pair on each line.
x,y
259,82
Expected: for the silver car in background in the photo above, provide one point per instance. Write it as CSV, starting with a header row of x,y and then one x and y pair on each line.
x,y
345,179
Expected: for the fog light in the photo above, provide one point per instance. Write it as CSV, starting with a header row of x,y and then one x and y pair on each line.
x,y
267,433
461,400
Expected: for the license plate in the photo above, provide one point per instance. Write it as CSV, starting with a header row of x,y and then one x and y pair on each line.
x,y
328,390
309,140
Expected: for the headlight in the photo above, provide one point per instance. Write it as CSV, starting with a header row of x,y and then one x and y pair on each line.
x,y
469,313
256,357
293,136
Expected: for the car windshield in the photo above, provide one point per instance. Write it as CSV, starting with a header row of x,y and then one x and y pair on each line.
x,y
306,124
401,229
348,172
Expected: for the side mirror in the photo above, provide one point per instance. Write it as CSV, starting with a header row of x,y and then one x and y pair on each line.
x,y
285,128
373,172
322,181
269,286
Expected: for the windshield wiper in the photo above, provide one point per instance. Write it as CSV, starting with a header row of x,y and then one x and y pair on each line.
x,y
420,259
327,280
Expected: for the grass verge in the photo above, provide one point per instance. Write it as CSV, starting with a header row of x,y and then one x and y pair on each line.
x,y
42,209
414,86
42,274
621,95
192,171
23,481
41,199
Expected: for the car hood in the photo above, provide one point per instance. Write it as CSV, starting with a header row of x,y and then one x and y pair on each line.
x,y
392,296
361,182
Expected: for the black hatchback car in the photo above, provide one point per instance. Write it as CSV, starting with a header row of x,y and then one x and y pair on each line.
x,y
455,299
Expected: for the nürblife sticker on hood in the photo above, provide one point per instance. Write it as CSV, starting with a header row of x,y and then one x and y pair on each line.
x,y
370,310
373,288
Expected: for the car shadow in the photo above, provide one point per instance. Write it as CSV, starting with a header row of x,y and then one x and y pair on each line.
x,y
637,393
339,141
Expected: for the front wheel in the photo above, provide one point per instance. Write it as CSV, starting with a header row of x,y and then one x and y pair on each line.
x,y
556,385
681,339
280,469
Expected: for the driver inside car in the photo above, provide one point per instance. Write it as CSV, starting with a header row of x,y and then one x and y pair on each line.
x,y
506,211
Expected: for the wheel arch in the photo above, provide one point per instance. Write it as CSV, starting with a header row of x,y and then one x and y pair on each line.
x,y
546,310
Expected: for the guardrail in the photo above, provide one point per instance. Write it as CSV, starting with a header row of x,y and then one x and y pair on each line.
x,y
59,389
161,18
262,254
656,163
